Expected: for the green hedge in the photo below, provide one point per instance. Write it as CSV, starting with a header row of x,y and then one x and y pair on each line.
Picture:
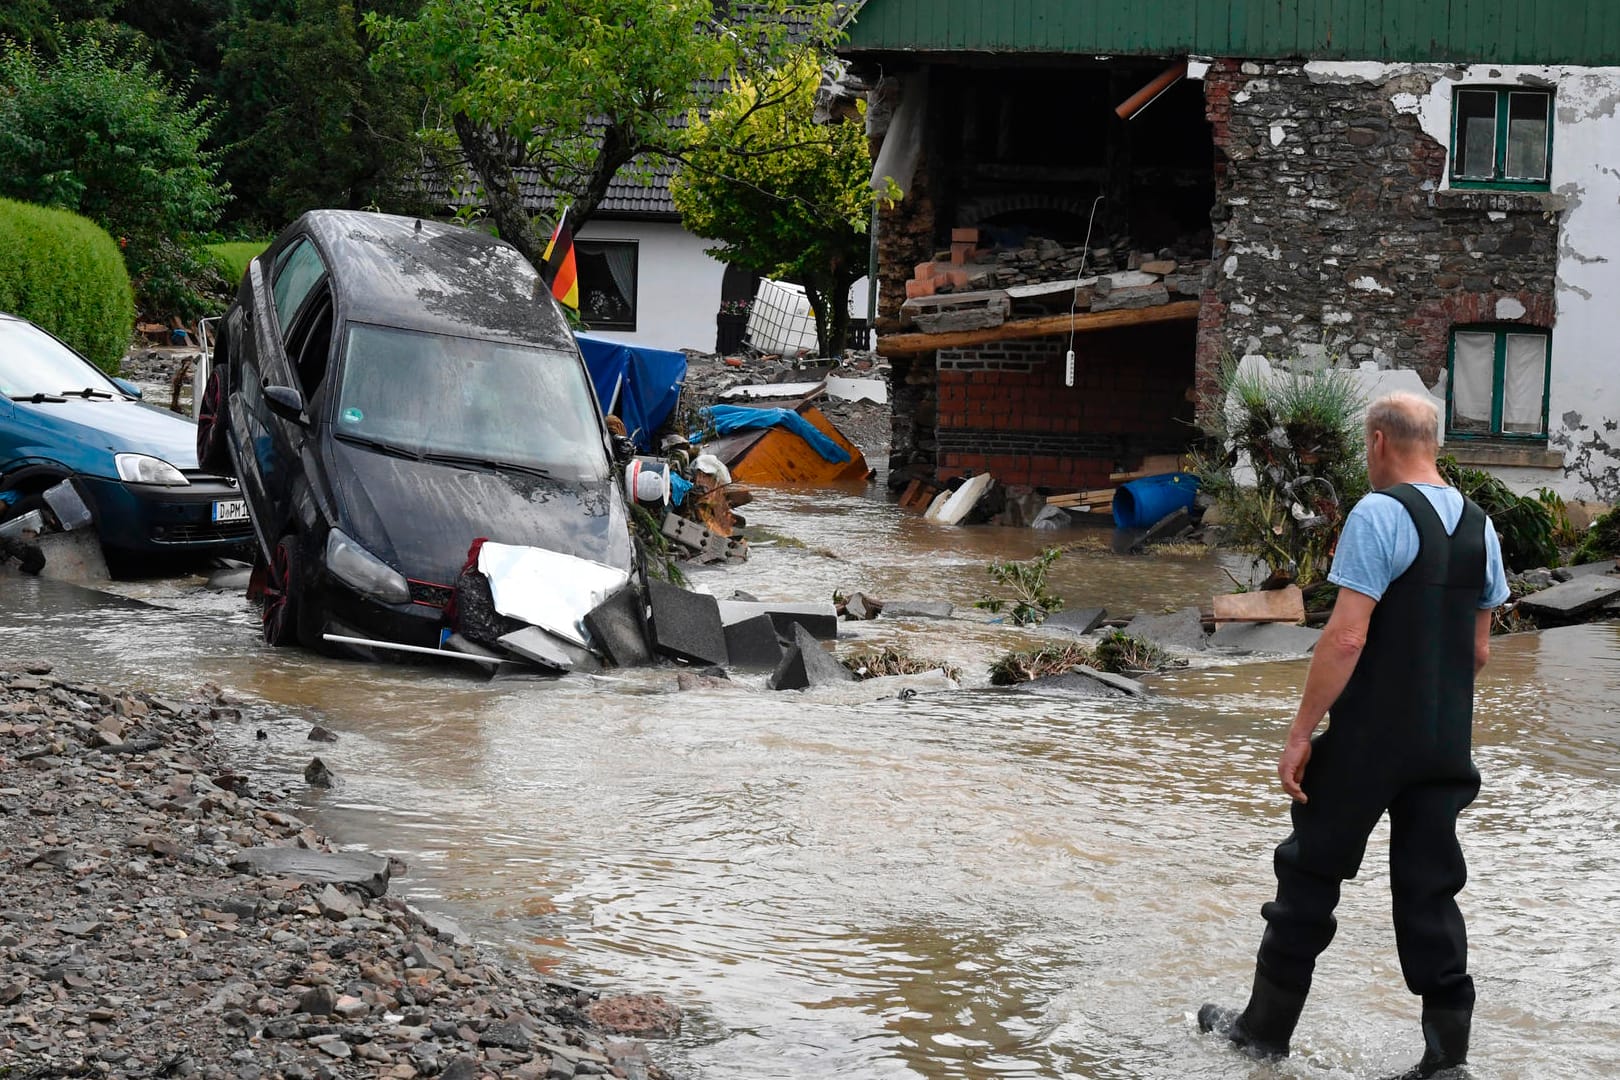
x,y
66,273
233,257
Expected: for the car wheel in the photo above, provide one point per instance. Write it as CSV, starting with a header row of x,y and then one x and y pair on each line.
x,y
212,456
283,594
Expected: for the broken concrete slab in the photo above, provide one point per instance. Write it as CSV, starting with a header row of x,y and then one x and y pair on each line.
x,y
538,647
754,645
860,606
821,620
1179,631
1285,605
1076,620
359,869
686,625
1118,682
918,609
1592,569
1277,639
1170,527
807,664
616,629
1572,599
1086,681
74,557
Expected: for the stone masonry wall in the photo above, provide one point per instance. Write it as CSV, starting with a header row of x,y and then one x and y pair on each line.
x,y
1003,407
1333,238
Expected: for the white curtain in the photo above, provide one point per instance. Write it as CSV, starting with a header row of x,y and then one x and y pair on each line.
x,y
1472,376
621,263
1524,384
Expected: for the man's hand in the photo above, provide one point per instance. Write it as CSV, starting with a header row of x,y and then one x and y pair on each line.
x,y
1291,767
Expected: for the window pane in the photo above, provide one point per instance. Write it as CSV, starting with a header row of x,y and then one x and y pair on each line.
x,y
1524,384
1527,136
1472,377
297,274
607,283
1475,155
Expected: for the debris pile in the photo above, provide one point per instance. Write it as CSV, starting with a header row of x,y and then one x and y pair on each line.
x,y
51,535
161,918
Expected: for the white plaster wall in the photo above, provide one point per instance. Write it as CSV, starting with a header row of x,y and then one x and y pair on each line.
x,y
1584,405
678,285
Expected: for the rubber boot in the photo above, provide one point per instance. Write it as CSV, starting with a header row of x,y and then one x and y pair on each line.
x,y
1263,1028
1445,1043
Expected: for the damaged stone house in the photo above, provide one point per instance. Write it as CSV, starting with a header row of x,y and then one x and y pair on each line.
x,y
1393,183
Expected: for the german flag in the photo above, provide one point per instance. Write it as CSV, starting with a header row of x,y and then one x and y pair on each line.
x,y
560,265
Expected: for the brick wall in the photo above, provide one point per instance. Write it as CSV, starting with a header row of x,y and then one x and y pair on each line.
x,y
1003,408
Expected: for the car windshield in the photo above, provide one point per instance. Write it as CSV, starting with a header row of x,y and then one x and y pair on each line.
x,y
486,402
33,362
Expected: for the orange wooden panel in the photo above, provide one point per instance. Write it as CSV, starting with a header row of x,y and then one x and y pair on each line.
x,y
781,458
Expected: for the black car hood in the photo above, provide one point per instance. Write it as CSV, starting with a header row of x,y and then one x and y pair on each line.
x,y
422,516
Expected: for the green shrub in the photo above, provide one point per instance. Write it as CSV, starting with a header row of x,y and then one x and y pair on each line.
x,y
232,258
1524,523
1602,540
65,273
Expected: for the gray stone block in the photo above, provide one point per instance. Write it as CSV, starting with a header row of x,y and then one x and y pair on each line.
x,y
1180,631
538,647
360,869
1088,682
1077,620
821,620
1572,599
807,664
686,625
1277,639
1591,569
1139,296
616,630
753,644
918,609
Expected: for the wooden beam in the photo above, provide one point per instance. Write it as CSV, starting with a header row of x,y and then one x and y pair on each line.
x,y
1045,326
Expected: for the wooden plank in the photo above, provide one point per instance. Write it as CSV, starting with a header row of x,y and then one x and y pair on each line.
x,y
1272,605
907,344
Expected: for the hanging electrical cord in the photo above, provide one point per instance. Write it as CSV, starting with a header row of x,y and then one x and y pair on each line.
x,y
1074,296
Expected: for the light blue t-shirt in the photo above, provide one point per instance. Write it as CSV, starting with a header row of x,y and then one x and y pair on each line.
x,y
1380,543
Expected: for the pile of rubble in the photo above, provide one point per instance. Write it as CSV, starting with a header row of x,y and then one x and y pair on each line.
x,y
158,917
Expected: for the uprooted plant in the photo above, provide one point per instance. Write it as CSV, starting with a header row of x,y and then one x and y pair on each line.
x,y
659,556
1020,667
1525,524
1298,431
895,661
1122,654
1602,540
1031,603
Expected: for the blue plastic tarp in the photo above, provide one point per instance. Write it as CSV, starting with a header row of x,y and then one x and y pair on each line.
x,y
640,385
729,418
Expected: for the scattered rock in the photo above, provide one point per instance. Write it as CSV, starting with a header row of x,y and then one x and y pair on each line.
x,y
316,774
646,1016
1076,620
366,872
918,609
321,734
859,606
807,664
1180,631
1279,639
1572,599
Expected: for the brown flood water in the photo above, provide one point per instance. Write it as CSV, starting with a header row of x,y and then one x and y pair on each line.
x,y
981,884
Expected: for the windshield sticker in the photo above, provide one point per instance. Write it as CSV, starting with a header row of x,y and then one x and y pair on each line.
x,y
352,415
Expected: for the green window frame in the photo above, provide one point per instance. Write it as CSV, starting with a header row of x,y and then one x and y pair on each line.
x,y
1501,138
1469,415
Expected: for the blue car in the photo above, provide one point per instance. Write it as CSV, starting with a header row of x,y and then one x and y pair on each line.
x,y
133,464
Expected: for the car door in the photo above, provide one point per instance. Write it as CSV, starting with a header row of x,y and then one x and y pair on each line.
x,y
284,311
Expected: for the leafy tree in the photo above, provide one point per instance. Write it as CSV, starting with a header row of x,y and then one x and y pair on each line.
x,y
47,25
307,122
579,90
111,140
787,197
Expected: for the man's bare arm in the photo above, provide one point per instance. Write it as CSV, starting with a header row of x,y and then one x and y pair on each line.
x,y
1332,663
1482,640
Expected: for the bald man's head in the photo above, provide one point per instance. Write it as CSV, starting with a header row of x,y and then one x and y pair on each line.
x,y
1410,423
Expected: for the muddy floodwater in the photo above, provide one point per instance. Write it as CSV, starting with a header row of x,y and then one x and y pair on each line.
x,y
981,884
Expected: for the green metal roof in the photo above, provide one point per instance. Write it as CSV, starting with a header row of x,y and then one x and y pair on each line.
x,y
1583,32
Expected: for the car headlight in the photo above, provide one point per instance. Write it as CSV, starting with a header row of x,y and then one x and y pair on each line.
x,y
360,569
142,469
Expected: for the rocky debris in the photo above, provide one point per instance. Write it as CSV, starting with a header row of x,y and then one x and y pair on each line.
x,y
130,947
1078,621
1084,681
316,774
861,607
819,620
918,609
1180,631
808,665
1277,639
753,644
321,734
1572,599
645,1015
686,625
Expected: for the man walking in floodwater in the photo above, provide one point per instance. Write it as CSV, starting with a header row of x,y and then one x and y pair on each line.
x,y
1419,568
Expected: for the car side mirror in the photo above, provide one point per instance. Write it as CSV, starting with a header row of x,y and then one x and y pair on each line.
x,y
285,402
128,387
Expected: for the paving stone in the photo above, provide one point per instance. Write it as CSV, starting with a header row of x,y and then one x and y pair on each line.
x,y
918,609
1572,599
1077,620
616,630
807,664
753,644
686,625
1180,631
1274,638
360,869
821,620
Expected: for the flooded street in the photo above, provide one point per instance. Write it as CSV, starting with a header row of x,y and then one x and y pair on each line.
x,y
981,884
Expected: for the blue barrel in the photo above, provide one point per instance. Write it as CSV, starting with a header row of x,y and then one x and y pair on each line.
x,y
1143,503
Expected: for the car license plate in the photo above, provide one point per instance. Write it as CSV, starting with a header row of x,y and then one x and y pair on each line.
x,y
231,510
